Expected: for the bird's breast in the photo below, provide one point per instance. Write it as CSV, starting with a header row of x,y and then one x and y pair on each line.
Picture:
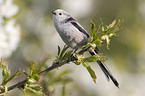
x,y
71,35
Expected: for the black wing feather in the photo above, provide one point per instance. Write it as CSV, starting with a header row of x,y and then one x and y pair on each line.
x,y
80,29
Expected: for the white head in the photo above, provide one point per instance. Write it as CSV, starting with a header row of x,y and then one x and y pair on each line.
x,y
60,15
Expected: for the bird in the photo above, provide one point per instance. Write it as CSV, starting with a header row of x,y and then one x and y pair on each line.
x,y
75,36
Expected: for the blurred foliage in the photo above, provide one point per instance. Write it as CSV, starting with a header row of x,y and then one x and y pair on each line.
x,y
44,87
34,85
105,32
6,78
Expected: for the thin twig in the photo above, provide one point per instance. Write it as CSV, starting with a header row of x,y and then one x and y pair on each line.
x,y
71,58
54,66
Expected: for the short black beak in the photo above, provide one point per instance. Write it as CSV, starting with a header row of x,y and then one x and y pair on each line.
x,y
53,12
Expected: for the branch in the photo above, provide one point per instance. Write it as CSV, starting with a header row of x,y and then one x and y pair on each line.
x,y
98,35
21,84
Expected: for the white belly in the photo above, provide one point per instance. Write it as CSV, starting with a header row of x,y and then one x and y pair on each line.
x,y
72,36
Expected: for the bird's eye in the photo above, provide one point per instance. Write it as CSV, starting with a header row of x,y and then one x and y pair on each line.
x,y
60,13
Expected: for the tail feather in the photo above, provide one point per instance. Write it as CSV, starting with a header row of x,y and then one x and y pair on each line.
x,y
106,71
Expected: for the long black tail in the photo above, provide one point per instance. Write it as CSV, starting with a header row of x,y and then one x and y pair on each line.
x,y
105,69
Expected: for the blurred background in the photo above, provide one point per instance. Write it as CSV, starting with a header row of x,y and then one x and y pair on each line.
x,y
27,33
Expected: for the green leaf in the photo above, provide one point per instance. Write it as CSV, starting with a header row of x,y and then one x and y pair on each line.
x,y
97,42
92,73
34,70
90,70
63,55
77,63
36,77
63,51
67,54
78,57
63,90
92,26
112,24
93,29
102,27
92,58
5,72
34,88
104,59
12,77
106,37
58,50
25,73
39,68
6,89
31,68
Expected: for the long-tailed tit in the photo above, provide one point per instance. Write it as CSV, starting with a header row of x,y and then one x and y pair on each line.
x,y
75,36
